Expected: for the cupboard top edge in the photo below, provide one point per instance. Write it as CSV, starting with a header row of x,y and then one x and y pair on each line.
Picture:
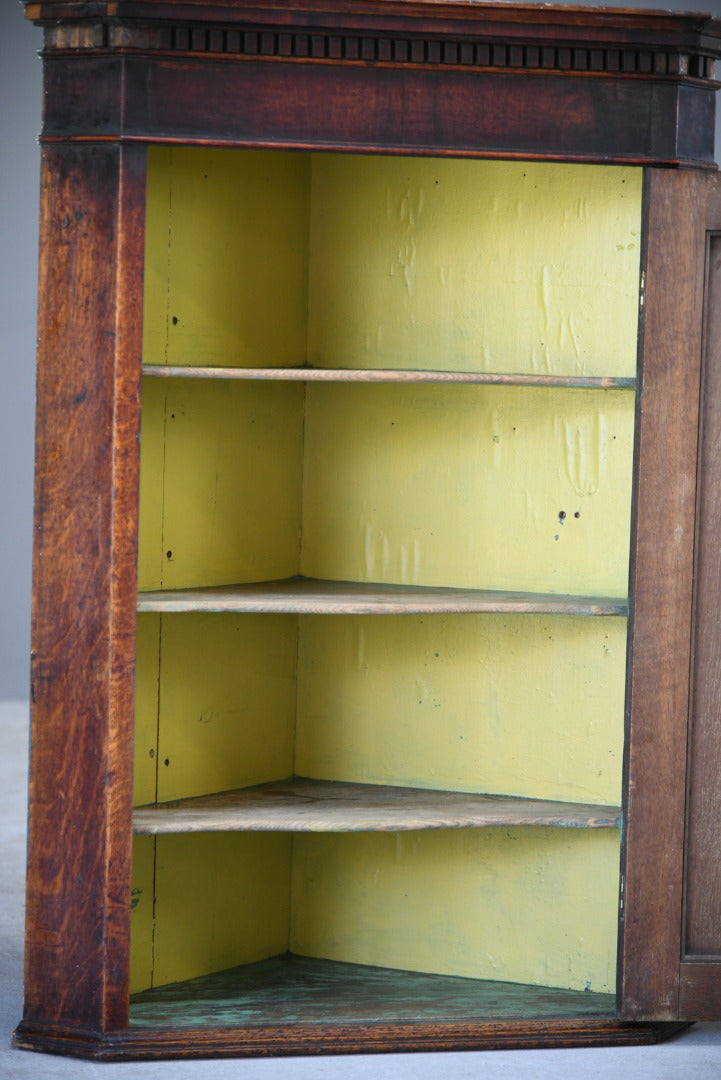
x,y
533,14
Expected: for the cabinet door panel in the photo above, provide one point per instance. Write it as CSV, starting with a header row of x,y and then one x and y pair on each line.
x,y
700,983
661,593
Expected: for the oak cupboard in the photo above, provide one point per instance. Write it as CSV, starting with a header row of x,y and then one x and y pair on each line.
x,y
375,639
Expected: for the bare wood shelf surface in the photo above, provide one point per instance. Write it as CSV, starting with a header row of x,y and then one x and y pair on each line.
x,y
392,375
300,805
309,596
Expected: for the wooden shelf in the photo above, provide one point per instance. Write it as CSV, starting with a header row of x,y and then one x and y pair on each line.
x,y
300,595
297,989
391,375
300,805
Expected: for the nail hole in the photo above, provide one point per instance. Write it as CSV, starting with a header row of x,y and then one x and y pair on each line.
x,y
152,753
168,554
167,761
175,320
561,515
577,514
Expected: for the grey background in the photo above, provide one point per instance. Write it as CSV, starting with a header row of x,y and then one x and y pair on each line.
x,y
20,113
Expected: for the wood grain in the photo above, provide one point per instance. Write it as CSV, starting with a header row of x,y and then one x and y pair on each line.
x,y
509,94
700,990
301,805
360,1038
703,873
375,108
78,884
308,596
661,593
310,374
110,83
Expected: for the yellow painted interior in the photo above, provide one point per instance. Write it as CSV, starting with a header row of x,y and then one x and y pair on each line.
x,y
147,669
221,899
520,905
223,486
476,487
227,702
464,702
268,259
277,259
226,258
142,913
455,265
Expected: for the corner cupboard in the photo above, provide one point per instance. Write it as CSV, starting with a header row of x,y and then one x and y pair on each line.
x,y
374,655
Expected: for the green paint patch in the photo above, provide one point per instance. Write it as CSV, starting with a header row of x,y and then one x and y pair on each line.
x,y
298,990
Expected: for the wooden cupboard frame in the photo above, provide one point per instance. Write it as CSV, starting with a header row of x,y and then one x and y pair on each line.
x,y
422,77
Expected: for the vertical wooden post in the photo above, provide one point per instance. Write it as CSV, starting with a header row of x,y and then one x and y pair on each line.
x,y
700,988
661,593
89,355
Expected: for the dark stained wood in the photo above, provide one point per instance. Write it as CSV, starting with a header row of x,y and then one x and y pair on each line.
x,y
700,973
84,588
703,839
311,597
310,374
551,25
301,805
700,991
476,113
578,84
359,1038
661,593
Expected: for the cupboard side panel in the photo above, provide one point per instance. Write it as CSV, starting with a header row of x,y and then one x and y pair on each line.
x,y
702,929
661,594
700,995
78,886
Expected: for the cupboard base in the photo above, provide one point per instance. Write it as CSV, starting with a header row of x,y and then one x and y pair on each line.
x,y
295,1005
345,1039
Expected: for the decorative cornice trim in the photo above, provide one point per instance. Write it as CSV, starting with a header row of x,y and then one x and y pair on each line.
x,y
378,48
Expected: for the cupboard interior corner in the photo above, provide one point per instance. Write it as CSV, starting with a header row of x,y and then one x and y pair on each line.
x,y
386,468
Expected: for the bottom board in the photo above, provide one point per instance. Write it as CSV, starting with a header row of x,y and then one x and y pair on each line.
x,y
302,990
293,1005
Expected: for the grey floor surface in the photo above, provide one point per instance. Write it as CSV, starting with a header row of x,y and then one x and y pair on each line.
x,y
695,1055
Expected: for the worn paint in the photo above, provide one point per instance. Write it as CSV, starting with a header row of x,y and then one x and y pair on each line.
x,y
147,673
465,703
227,476
142,913
294,989
226,257
519,905
221,899
271,259
462,486
227,702
432,263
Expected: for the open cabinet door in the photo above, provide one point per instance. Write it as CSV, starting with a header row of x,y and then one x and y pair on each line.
x,y
671,905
